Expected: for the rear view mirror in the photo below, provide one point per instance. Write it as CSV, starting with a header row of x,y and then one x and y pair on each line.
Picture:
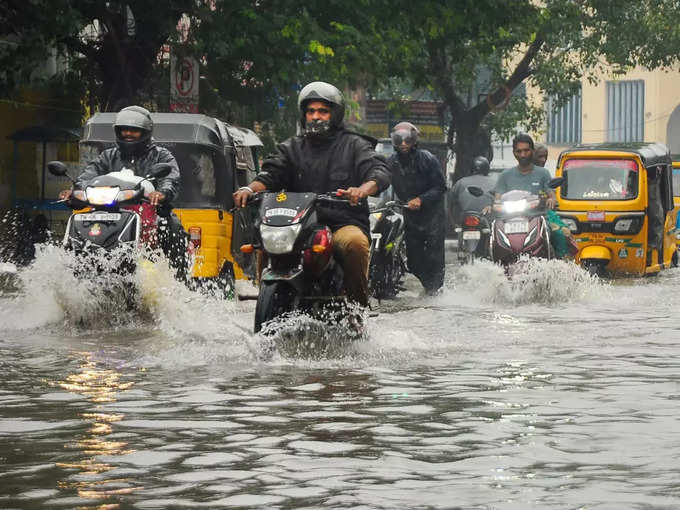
x,y
57,168
556,182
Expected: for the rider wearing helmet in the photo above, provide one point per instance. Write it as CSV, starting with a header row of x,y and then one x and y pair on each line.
x,y
326,157
135,150
418,181
462,200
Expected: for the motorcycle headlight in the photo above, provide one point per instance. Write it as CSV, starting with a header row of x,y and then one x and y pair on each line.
x,y
124,195
279,240
374,218
514,206
102,195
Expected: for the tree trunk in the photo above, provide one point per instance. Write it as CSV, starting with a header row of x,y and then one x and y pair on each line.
x,y
470,140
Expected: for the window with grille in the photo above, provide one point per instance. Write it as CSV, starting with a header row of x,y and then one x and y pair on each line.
x,y
564,124
625,111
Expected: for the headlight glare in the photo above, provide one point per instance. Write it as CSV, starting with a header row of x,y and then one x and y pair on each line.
x,y
279,240
102,195
514,206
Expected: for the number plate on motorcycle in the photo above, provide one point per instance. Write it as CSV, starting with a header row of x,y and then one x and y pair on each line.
x,y
97,216
281,211
595,215
472,234
516,227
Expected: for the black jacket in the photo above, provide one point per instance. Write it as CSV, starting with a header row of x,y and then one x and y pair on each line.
x,y
111,160
419,174
343,160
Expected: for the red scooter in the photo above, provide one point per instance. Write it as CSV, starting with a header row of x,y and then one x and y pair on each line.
x,y
520,226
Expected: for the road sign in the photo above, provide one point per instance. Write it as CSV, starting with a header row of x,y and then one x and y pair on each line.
x,y
184,76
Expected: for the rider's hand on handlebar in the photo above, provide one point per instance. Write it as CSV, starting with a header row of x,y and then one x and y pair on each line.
x,y
414,204
156,197
65,194
550,203
241,197
354,195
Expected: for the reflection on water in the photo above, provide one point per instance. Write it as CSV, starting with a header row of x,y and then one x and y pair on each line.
x,y
99,386
550,390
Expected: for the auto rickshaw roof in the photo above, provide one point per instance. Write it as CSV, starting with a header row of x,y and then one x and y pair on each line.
x,y
189,128
650,153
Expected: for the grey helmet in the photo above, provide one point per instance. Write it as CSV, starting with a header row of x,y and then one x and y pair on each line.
x,y
138,118
480,165
322,91
404,131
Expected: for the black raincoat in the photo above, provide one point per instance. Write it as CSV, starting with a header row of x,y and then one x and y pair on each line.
x,y
342,160
419,174
112,160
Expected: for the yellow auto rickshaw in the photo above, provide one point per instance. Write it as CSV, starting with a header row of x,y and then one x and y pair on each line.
x,y
214,159
676,197
617,200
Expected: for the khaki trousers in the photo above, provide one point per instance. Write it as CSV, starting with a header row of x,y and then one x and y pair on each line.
x,y
351,246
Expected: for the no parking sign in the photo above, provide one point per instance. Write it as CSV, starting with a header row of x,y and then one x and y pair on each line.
x,y
184,76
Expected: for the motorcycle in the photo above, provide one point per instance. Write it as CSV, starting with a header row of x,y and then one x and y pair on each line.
x,y
301,274
111,212
473,237
388,258
520,226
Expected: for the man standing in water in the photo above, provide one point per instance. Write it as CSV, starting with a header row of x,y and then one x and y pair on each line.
x,y
418,181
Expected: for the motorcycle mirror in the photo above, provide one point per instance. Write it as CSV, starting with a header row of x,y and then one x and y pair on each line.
x,y
59,169
556,182
475,191
159,170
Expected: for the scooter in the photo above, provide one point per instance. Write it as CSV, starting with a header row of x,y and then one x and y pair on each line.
x,y
473,237
302,273
520,226
111,212
388,256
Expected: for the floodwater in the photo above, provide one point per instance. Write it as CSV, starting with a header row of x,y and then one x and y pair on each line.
x,y
554,390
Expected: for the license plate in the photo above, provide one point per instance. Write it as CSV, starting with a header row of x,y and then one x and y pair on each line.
x,y
97,216
472,234
516,227
595,215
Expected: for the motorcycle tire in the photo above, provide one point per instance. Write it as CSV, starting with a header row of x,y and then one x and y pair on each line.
x,y
273,300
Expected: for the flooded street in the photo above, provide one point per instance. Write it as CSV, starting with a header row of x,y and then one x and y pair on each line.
x,y
554,390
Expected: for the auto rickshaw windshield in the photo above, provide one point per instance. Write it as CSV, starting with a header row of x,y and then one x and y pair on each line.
x,y
600,179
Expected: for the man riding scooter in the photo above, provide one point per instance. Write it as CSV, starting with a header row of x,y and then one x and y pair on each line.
x,y
136,151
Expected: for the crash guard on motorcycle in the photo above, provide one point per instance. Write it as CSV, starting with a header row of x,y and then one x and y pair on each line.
x,y
617,200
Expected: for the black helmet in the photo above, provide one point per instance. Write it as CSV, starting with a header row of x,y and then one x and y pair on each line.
x,y
480,165
322,91
404,131
134,117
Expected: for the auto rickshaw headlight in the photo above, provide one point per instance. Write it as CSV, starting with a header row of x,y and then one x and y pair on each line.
x,y
627,226
279,240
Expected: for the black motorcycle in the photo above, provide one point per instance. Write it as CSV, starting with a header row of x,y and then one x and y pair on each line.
x,y
473,237
388,254
111,213
301,274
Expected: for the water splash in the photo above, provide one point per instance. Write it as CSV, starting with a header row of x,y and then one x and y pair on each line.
x,y
530,281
